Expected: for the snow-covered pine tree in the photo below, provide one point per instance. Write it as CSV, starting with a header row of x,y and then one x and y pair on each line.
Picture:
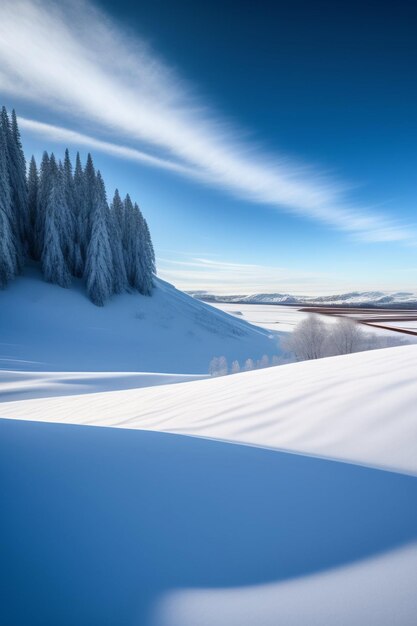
x,y
8,252
118,211
90,189
69,186
144,255
74,256
134,246
33,186
128,240
99,263
81,212
44,188
139,256
69,217
18,182
54,264
120,282
149,248
64,218
11,158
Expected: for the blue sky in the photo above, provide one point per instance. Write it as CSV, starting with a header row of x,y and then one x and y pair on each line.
x,y
271,147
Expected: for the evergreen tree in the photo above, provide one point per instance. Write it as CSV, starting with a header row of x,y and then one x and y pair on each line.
x,y
18,182
69,186
44,188
54,264
120,282
63,217
8,252
54,267
99,272
75,258
150,253
80,213
90,189
144,255
33,187
11,161
118,211
133,245
139,256
128,237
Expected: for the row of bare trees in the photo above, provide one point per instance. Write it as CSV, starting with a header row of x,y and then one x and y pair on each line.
x,y
314,339
311,339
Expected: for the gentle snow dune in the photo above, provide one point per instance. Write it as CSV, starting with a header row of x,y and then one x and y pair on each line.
x,y
135,528
45,327
17,385
359,407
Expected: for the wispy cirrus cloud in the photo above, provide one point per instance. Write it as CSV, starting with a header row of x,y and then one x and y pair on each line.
x,y
224,277
64,135
72,58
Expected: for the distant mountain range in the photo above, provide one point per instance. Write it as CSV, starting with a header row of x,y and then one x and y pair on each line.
x,y
380,299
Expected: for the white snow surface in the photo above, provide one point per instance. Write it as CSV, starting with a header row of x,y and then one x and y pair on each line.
x,y
359,407
135,527
44,327
270,316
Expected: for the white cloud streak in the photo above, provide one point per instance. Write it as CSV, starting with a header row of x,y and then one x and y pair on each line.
x,y
64,135
71,58
223,277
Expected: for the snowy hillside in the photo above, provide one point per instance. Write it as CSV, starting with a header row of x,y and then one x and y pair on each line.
x,y
355,298
45,327
141,528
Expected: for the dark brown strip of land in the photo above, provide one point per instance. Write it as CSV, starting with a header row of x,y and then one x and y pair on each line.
x,y
378,316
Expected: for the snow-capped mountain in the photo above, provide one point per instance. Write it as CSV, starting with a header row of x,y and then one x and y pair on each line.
x,y
400,299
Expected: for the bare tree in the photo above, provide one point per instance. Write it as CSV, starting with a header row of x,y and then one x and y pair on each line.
x,y
307,341
346,337
249,365
218,366
264,362
313,339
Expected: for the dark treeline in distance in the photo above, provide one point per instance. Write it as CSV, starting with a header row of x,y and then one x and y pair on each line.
x,y
60,217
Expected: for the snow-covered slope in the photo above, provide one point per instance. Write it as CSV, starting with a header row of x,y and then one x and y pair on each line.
x,y
44,327
359,407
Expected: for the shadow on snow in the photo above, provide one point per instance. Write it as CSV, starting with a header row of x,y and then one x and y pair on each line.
x,y
97,522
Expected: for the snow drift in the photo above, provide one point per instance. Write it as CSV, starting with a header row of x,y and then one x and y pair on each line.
x,y
358,407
